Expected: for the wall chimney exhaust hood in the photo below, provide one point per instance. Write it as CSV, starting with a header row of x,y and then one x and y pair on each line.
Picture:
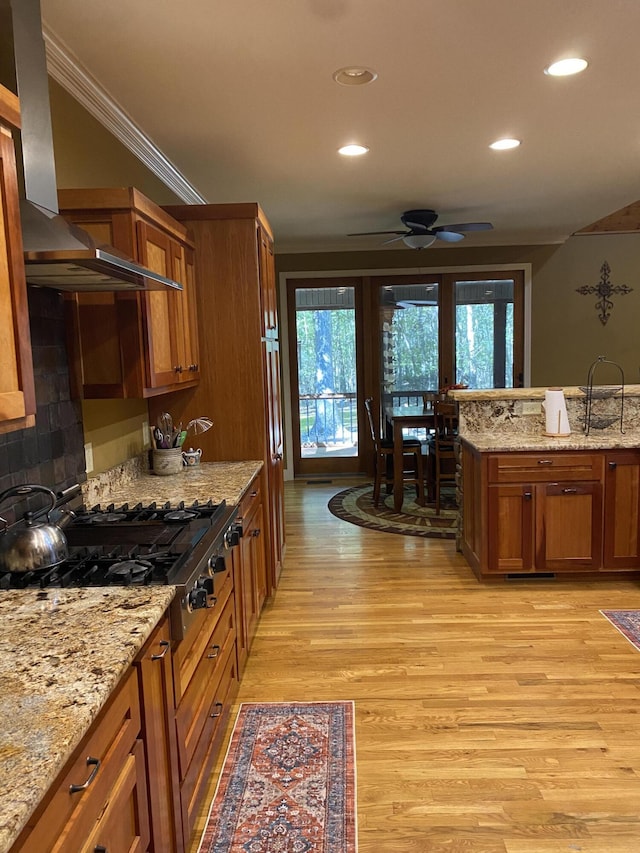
x,y
57,254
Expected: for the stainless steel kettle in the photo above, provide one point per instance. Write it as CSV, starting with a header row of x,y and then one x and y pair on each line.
x,y
32,546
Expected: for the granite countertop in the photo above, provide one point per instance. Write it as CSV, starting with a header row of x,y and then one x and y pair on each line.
x,y
534,393
62,652
604,440
214,481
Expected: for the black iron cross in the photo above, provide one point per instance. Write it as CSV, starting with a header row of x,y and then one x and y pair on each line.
x,y
604,289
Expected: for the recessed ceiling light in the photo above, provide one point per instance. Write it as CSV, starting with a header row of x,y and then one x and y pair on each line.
x,y
354,76
353,150
504,144
565,67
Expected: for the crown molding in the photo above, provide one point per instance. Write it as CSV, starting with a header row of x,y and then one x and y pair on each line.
x,y
68,72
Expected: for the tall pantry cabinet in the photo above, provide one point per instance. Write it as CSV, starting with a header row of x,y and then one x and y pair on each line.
x,y
239,351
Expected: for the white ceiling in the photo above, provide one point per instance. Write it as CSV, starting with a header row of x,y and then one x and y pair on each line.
x,y
239,96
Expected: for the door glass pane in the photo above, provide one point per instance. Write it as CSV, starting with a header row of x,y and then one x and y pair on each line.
x,y
484,333
408,342
326,349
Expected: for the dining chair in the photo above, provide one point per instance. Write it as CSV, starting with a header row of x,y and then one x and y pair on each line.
x,y
412,472
444,452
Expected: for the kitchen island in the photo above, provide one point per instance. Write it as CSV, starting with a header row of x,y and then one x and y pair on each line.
x,y
66,653
539,505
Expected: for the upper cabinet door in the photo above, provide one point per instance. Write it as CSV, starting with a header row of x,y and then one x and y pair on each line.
x,y
186,321
267,285
17,394
156,254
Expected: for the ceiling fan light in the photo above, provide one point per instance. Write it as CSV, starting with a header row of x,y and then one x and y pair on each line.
x,y
419,241
566,67
504,144
353,150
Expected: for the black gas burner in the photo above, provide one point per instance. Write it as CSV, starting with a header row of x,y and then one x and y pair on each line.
x,y
103,517
180,515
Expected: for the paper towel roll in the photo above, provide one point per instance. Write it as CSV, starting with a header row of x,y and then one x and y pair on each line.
x,y
555,409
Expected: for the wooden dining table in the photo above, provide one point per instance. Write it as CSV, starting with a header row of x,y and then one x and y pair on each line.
x,y
399,418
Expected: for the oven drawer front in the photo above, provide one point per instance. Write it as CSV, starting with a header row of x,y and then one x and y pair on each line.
x,y
196,704
189,651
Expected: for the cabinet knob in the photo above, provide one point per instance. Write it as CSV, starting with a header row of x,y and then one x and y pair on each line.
x,y
613,466
177,368
193,368
527,496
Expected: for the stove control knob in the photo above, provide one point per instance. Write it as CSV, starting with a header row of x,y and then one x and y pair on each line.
x,y
232,536
197,599
207,585
217,563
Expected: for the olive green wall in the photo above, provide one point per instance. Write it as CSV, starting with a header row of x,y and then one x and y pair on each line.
x,y
88,155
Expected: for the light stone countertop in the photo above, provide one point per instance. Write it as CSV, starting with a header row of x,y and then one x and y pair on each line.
x,y
214,481
495,442
62,652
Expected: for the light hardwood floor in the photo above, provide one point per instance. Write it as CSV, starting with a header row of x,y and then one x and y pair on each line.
x,y
498,718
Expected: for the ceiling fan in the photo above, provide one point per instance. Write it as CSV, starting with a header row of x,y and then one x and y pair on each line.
x,y
421,234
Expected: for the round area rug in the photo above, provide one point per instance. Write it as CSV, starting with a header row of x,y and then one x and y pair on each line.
x,y
356,506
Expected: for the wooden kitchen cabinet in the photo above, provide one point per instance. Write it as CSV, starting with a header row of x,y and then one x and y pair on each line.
x,y
17,391
99,800
133,344
530,512
238,317
205,680
250,582
155,671
622,509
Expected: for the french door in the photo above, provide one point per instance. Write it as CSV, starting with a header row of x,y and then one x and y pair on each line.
x,y
325,331
393,338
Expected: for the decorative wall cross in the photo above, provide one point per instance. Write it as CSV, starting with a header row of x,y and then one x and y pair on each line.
x,y
605,290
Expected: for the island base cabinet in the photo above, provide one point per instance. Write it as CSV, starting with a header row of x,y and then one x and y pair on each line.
x,y
622,510
550,512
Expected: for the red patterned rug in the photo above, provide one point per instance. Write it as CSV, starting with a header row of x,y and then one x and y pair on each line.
x,y
288,782
355,505
627,622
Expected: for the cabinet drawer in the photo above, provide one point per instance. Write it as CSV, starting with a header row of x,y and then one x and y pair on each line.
x,y
123,826
197,779
250,500
67,819
544,467
196,704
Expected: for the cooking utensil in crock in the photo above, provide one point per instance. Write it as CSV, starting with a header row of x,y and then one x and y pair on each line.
x,y
33,546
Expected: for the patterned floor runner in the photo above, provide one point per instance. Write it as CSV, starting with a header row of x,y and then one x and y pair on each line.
x,y
288,782
355,505
627,622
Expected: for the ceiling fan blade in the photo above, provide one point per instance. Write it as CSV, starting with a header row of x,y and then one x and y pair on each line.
x,y
449,236
369,233
403,234
466,226
418,227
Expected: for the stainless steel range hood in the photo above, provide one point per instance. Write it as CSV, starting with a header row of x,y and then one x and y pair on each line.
x,y
57,254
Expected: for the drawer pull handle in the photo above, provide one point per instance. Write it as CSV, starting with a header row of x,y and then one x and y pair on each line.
x,y
613,466
100,849
165,648
91,762
545,461
527,496
215,652
569,491
217,713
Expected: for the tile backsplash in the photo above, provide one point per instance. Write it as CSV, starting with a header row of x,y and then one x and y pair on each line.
x,y
51,453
